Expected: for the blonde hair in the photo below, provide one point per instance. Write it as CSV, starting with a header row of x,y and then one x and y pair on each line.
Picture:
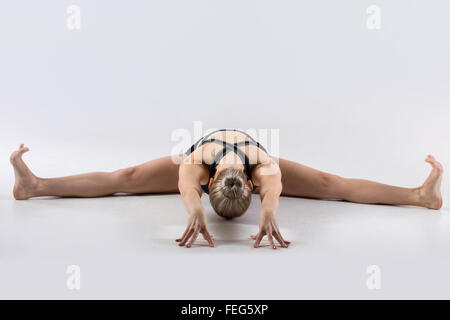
x,y
230,195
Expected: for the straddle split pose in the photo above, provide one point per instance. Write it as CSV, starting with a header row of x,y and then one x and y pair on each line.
x,y
229,165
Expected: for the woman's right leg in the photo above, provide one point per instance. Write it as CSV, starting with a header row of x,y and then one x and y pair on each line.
x,y
156,176
302,181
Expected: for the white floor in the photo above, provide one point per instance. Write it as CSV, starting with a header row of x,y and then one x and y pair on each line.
x,y
125,245
125,248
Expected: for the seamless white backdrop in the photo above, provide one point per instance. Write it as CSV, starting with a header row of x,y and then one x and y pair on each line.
x,y
348,100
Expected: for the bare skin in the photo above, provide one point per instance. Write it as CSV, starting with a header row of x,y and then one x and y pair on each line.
x,y
266,174
162,176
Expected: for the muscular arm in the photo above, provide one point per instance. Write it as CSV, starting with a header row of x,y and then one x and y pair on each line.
x,y
268,177
190,175
189,186
269,191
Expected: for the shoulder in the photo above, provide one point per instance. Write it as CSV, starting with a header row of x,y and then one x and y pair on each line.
x,y
192,172
268,170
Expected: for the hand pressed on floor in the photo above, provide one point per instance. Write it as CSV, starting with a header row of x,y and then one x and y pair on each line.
x,y
268,227
196,225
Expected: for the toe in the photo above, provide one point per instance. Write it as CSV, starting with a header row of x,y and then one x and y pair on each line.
x,y
432,160
23,149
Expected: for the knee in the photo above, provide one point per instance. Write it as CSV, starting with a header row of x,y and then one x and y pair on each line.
x,y
125,175
331,184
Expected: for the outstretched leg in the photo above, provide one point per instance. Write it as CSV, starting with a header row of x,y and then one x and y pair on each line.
x,y
301,181
156,176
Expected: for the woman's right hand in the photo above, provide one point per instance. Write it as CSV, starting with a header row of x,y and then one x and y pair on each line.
x,y
196,225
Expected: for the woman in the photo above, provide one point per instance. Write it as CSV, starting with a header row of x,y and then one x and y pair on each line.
x,y
229,165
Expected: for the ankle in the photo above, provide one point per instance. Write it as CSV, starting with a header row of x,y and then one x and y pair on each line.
x,y
39,186
427,200
419,198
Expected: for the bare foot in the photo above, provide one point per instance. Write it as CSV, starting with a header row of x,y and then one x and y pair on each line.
x,y
430,191
26,181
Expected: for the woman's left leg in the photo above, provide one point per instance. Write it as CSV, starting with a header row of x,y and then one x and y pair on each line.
x,y
155,176
301,181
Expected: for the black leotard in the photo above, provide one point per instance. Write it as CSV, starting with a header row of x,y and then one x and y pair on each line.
x,y
227,147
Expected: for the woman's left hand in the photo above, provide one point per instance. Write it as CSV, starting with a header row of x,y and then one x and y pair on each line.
x,y
268,227
196,225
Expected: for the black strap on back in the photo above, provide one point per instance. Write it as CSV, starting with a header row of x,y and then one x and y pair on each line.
x,y
196,144
227,147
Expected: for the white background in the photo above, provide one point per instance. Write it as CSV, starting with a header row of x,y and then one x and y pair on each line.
x,y
348,100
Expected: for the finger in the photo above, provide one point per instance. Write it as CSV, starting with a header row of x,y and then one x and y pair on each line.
x,y
270,238
182,237
208,238
186,238
285,241
193,238
184,233
253,236
277,231
278,237
258,239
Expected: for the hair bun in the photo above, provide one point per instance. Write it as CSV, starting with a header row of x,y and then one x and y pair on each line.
x,y
233,187
230,196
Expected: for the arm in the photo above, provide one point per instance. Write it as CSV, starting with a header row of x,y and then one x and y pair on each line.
x,y
189,185
269,189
